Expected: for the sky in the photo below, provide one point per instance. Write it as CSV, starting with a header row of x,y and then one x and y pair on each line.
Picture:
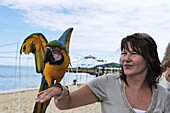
x,y
99,25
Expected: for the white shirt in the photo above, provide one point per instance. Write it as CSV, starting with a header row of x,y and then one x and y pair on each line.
x,y
139,111
164,83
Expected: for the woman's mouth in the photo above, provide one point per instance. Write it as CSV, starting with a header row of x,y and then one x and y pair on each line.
x,y
127,66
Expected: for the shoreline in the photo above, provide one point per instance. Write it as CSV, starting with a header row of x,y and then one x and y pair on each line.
x,y
30,89
17,90
23,102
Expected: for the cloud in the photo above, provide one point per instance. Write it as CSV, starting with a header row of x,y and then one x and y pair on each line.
x,y
99,24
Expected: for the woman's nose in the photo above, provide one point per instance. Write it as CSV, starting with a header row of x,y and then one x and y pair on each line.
x,y
127,57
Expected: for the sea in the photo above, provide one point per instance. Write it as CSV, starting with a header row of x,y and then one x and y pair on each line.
x,y
18,78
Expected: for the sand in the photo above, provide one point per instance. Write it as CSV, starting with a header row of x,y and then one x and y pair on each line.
x,y
23,102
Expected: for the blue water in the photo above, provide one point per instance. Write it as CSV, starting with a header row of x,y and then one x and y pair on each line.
x,y
15,78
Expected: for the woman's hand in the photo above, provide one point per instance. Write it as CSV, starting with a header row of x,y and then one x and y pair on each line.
x,y
64,100
49,93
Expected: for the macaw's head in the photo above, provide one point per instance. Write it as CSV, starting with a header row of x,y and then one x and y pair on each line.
x,y
53,52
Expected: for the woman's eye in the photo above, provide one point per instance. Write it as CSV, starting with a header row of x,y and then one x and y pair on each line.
x,y
123,53
134,53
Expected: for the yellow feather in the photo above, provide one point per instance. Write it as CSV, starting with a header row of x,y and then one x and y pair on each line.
x,y
56,72
68,41
39,62
35,44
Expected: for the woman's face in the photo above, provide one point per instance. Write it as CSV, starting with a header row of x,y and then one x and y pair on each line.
x,y
167,73
133,63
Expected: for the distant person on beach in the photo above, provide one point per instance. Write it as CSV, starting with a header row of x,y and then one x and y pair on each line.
x,y
74,81
135,90
97,73
165,78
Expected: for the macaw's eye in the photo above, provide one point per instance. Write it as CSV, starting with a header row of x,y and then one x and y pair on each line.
x,y
56,50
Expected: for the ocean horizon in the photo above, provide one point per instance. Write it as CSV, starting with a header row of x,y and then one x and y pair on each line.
x,y
18,78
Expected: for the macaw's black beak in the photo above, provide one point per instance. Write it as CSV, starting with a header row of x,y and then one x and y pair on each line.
x,y
48,56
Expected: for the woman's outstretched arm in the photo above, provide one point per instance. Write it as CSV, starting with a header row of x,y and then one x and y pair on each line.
x,y
79,97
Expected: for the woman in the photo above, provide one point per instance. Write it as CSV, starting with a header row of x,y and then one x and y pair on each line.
x,y
134,91
165,78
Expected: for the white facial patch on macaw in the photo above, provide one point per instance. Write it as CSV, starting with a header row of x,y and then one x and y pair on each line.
x,y
56,53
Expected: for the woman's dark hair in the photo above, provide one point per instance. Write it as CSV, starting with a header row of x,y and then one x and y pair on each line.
x,y
144,45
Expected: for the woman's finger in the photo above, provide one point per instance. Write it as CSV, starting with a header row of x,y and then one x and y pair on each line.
x,y
48,94
58,98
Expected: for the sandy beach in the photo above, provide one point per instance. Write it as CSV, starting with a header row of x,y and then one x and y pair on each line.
x,y
23,102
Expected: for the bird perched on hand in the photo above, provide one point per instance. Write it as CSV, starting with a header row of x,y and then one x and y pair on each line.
x,y
51,60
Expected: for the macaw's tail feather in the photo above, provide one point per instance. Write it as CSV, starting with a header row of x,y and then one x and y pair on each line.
x,y
41,107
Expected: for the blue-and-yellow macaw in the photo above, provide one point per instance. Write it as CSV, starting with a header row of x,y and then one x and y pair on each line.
x,y
51,60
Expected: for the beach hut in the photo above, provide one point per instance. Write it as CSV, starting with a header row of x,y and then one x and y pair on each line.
x,y
90,64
